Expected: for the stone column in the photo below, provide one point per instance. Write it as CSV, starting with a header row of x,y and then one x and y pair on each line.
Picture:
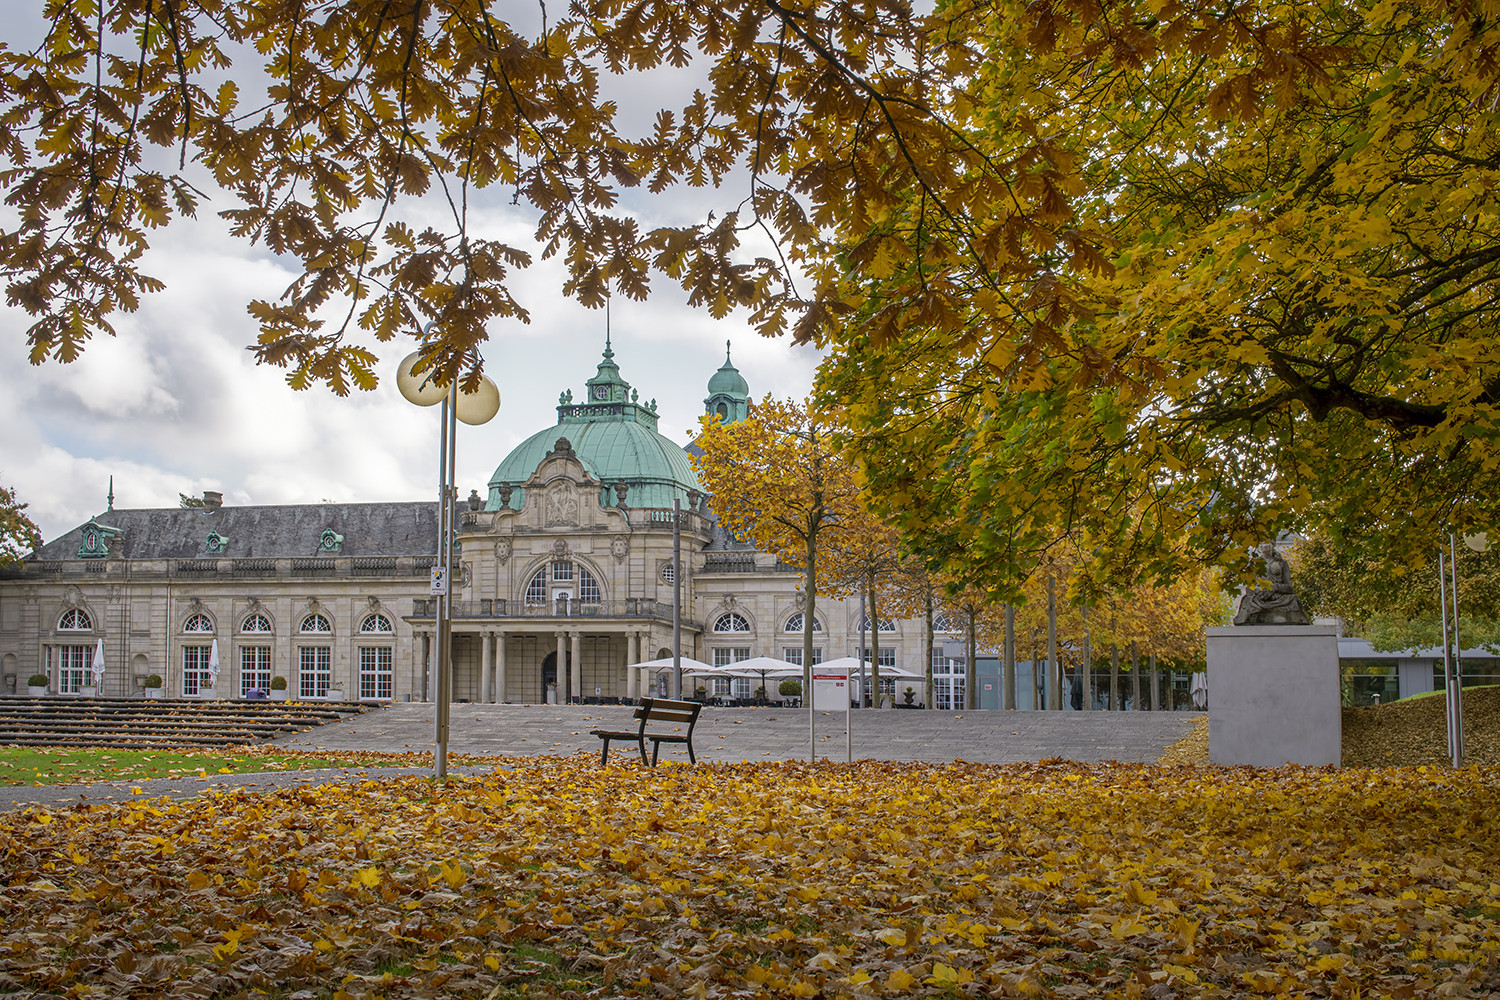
x,y
578,691
632,656
562,668
486,641
498,691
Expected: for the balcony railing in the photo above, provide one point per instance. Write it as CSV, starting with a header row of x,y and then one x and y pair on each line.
x,y
501,608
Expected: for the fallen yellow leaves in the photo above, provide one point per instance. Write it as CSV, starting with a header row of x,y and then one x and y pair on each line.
x,y
559,878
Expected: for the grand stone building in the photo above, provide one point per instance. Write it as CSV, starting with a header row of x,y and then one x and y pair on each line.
x,y
563,578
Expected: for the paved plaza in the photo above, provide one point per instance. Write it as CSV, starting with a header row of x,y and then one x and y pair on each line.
x,y
739,734
722,734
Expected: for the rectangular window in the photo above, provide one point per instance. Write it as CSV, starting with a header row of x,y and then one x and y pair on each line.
x,y
793,654
255,669
726,657
945,665
194,668
741,688
315,671
948,693
375,673
588,589
887,656
73,664
562,571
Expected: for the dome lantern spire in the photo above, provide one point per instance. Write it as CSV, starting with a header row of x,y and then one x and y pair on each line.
x,y
728,392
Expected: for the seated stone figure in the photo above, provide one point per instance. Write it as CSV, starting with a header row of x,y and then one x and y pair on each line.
x,y
1276,606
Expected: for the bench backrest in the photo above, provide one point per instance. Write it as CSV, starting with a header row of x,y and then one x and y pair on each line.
x,y
667,710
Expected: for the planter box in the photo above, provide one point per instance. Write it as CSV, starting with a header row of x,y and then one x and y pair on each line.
x,y
280,695
36,692
152,693
335,694
88,691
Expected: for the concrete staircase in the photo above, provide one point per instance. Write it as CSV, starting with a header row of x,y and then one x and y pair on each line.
x,y
125,723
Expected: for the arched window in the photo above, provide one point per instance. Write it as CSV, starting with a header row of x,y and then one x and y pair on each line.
x,y
75,620
198,623
886,625
732,622
942,623
588,588
316,623
794,623
256,623
536,590
375,623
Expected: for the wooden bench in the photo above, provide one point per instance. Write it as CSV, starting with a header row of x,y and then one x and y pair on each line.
x,y
659,710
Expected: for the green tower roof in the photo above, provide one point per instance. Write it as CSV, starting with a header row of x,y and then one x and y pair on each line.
x,y
616,439
727,380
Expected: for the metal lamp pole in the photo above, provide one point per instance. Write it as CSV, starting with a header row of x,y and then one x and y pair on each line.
x,y
473,408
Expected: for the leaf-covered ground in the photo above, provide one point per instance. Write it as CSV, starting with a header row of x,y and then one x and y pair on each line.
x,y
560,878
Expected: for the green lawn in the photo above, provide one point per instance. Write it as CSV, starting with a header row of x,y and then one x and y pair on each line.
x,y
54,766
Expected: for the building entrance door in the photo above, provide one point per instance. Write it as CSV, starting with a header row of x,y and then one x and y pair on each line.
x,y
554,692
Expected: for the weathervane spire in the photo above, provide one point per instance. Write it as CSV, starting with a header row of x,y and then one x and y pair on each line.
x,y
111,499
609,351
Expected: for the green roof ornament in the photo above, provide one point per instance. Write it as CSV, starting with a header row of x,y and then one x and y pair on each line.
x,y
728,392
215,543
330,540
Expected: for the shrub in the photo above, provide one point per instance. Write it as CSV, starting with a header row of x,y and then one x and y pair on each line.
x,y
37,680
278,683
153,681
790,688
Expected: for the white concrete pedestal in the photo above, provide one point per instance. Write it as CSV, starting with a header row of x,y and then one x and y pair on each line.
x,y
1273,695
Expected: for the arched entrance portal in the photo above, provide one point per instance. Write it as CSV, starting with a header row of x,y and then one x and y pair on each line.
x,y
550,682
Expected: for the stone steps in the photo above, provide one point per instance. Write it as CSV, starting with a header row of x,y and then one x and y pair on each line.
x,y
124,723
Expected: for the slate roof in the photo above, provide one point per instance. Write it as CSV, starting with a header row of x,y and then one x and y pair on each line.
x,y
291,531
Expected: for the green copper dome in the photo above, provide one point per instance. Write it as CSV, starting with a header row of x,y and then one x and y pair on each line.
x,y
615,438
727,380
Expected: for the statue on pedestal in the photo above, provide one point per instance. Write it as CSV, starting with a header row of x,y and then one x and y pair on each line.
x,y
1276,606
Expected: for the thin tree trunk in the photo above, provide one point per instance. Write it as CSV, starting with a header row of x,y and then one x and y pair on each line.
x,y
874,645
1114,677
1054,671
808,618
1036,676
1155,686
927,670
1088,661
1009,652
971,673
1135,677
1171,691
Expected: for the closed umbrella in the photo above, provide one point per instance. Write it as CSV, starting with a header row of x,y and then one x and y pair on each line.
x,y
98,665
213,664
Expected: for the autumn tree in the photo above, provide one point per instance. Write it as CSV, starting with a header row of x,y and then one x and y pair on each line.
x,y
1395,608
18,535
777,478
1265,299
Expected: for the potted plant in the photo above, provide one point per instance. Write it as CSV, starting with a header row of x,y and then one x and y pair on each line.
x,y
700,693
36,685
278,689
910,695
206,688
760,695
791,687
153,686
88,690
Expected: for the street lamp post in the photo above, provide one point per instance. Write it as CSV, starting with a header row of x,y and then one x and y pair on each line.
x,y
1453,667
472,408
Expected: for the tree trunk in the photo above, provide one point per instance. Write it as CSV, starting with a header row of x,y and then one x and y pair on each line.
x,y
809,616
874,693
1114,677
927,670
1009,652
1088,661
1055,676
1155,686
1171,692
1135,677
971,672
1036,677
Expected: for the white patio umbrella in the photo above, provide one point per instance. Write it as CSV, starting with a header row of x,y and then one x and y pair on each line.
x,y
213,663
98,664
655,667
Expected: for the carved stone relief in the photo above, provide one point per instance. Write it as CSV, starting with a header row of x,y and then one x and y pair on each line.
x,y
620,547
502,550
562,504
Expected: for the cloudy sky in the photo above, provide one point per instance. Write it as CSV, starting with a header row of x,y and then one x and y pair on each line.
x,y
175,404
